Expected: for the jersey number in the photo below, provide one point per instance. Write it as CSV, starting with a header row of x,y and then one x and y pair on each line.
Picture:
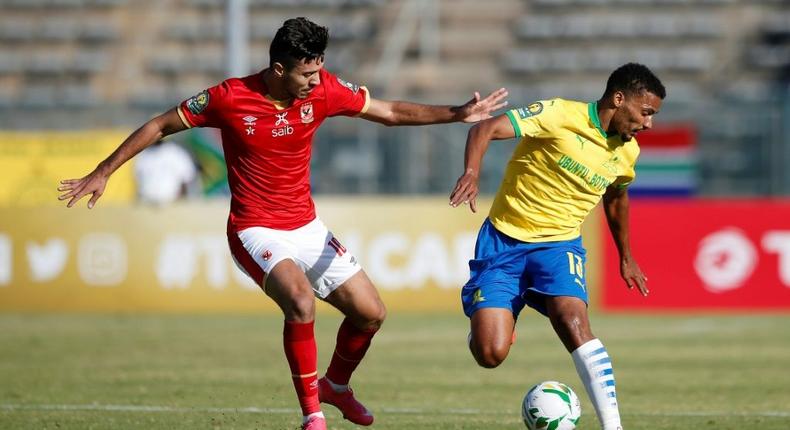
x,y
576,268
339,249
575,265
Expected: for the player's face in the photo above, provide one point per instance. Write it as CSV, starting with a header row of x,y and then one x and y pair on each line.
x,y
634,113
303,77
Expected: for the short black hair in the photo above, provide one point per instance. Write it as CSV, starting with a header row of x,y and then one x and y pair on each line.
x,y
633,78
298,39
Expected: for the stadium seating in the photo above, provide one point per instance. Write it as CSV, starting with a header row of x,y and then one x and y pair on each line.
x,y
89,63
547,40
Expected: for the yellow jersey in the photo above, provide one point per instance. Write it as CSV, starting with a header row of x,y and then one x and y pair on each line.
x,y
559,170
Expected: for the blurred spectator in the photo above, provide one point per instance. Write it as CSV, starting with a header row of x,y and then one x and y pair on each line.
x,y
165,172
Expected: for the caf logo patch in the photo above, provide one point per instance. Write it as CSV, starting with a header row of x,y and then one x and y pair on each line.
x,y
353,87
198,103
531,110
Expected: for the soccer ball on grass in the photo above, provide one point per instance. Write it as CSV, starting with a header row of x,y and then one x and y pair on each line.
x,y
551,405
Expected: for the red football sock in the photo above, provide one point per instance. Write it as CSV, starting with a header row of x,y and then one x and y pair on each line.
x,y
352,344
301,351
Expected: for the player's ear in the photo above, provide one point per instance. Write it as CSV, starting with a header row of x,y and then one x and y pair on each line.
x,y
618,98
279,69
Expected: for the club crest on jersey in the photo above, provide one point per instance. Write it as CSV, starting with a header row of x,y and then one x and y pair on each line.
x,y
353,87
611,165
306,112
198,103
531,110
267,255
478,297
249,122
282,122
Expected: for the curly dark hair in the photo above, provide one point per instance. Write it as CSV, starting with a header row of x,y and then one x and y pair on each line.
x,y
633,78
298,39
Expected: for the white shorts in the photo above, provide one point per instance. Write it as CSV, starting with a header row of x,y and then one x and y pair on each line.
x,y
325,262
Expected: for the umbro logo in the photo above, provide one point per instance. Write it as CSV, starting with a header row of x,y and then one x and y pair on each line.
x,y
249,121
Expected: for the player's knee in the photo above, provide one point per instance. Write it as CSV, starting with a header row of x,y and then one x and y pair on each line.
x,y
573,329
375,317
379,317
573,323
490,356
300,307
489,360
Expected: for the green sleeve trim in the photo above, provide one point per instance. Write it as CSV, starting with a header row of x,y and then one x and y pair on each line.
x,y
514,122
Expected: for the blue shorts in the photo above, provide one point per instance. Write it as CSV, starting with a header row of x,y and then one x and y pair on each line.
x,y
508,273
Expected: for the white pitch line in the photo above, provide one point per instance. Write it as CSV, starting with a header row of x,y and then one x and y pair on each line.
x,y
394,411
761,414
142,408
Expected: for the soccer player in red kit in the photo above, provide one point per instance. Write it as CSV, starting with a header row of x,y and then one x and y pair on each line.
x,y
267,122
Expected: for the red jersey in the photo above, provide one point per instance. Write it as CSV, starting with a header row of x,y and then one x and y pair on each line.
x,y
268,147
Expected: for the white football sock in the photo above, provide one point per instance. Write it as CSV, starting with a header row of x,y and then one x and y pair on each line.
x,y
595,370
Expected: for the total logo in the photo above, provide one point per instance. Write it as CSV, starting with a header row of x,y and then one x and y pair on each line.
x,y
282,122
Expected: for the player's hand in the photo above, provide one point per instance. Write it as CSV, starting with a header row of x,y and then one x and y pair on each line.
x,y
75,189
465,190
633,276
477,110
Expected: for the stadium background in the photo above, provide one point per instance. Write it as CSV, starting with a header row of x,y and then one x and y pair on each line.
x,y
710,208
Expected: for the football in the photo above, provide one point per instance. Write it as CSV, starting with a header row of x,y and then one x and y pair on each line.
x,y
551,405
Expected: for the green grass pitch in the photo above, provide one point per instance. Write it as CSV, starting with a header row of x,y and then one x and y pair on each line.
x,y
228,372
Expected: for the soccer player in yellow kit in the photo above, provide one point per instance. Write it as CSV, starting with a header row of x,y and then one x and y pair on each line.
x,y
529,249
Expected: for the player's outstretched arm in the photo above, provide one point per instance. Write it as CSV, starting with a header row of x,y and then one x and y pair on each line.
x,y
466,188
406,113
615,204
94,183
